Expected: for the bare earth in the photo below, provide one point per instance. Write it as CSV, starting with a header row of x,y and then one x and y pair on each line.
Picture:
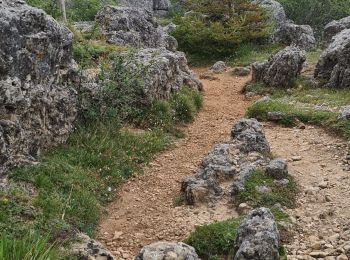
x,y
145,212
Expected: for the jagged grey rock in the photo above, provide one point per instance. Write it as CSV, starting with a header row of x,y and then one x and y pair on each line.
x,y
36,106
333,28
134,27
277,169
218,67
234,161
160,7
301,36
241,71
275,116
285,31
257,237
250,134
90,249
333,67
166,72
281,69
344,113
167,250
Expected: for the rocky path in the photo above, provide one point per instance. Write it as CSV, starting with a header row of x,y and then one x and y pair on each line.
x,y
145,210
322,218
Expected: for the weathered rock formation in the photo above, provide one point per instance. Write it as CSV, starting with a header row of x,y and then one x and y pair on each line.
x,y
160,7
164,250
333,67
90,249
37,109
257,237
335,27
285,31
231,162
134,27
281,69
218,67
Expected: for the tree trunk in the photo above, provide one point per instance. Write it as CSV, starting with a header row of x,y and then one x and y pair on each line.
x,y
63,9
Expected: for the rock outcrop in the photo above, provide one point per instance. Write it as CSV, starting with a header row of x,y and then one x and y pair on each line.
x,y
134,27
257,237
333,28
218,67
166,72
159,7
233,161
90,249
281,69
36,106
333,67
165,250
286,31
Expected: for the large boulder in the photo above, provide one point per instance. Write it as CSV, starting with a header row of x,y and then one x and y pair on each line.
x,y
37,108
157,6
166,250
284,30
257,237
281,69
166,72
333,28
333,67
134,27
301,36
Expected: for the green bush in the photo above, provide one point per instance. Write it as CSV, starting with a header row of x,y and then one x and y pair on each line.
x,y
316,13
29,247
220,33
214,240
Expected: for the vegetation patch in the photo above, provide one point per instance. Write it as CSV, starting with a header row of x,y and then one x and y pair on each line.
x,y
283,195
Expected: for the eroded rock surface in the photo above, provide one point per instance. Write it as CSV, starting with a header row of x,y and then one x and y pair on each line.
x,y
37,107
134,27
160,7
281,69
228,165
335,27
333,67
165,250
257,237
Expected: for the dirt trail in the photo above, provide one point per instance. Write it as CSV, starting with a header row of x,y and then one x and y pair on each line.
x,y
144,210
322,218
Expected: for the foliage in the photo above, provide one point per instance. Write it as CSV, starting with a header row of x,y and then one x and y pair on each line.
x,y
316,13
285,196
217,35
77,10
214,240
29,247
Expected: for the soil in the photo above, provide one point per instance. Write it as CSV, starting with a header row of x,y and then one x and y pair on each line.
x,y
147,206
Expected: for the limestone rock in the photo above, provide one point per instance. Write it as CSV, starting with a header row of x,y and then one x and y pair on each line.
x,y
335,27
36,105
281,69
90,249
251,135
277,169
241,71
134,27
344,113
257,237
218,67
333,67
301,36
165,250
160,7
275,116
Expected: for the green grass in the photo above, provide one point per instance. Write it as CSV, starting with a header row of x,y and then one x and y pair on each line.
x,y
285,196
30,247
214,240
247,54
70,187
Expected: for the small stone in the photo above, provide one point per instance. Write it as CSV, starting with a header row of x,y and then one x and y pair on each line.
x,y
318,254
296,158
275,116
342,257
323,185
277,169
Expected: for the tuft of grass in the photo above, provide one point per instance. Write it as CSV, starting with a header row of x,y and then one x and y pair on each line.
x,y
215,240
286,196
29,247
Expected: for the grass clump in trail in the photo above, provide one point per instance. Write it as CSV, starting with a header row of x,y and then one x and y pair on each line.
x,y
283,195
